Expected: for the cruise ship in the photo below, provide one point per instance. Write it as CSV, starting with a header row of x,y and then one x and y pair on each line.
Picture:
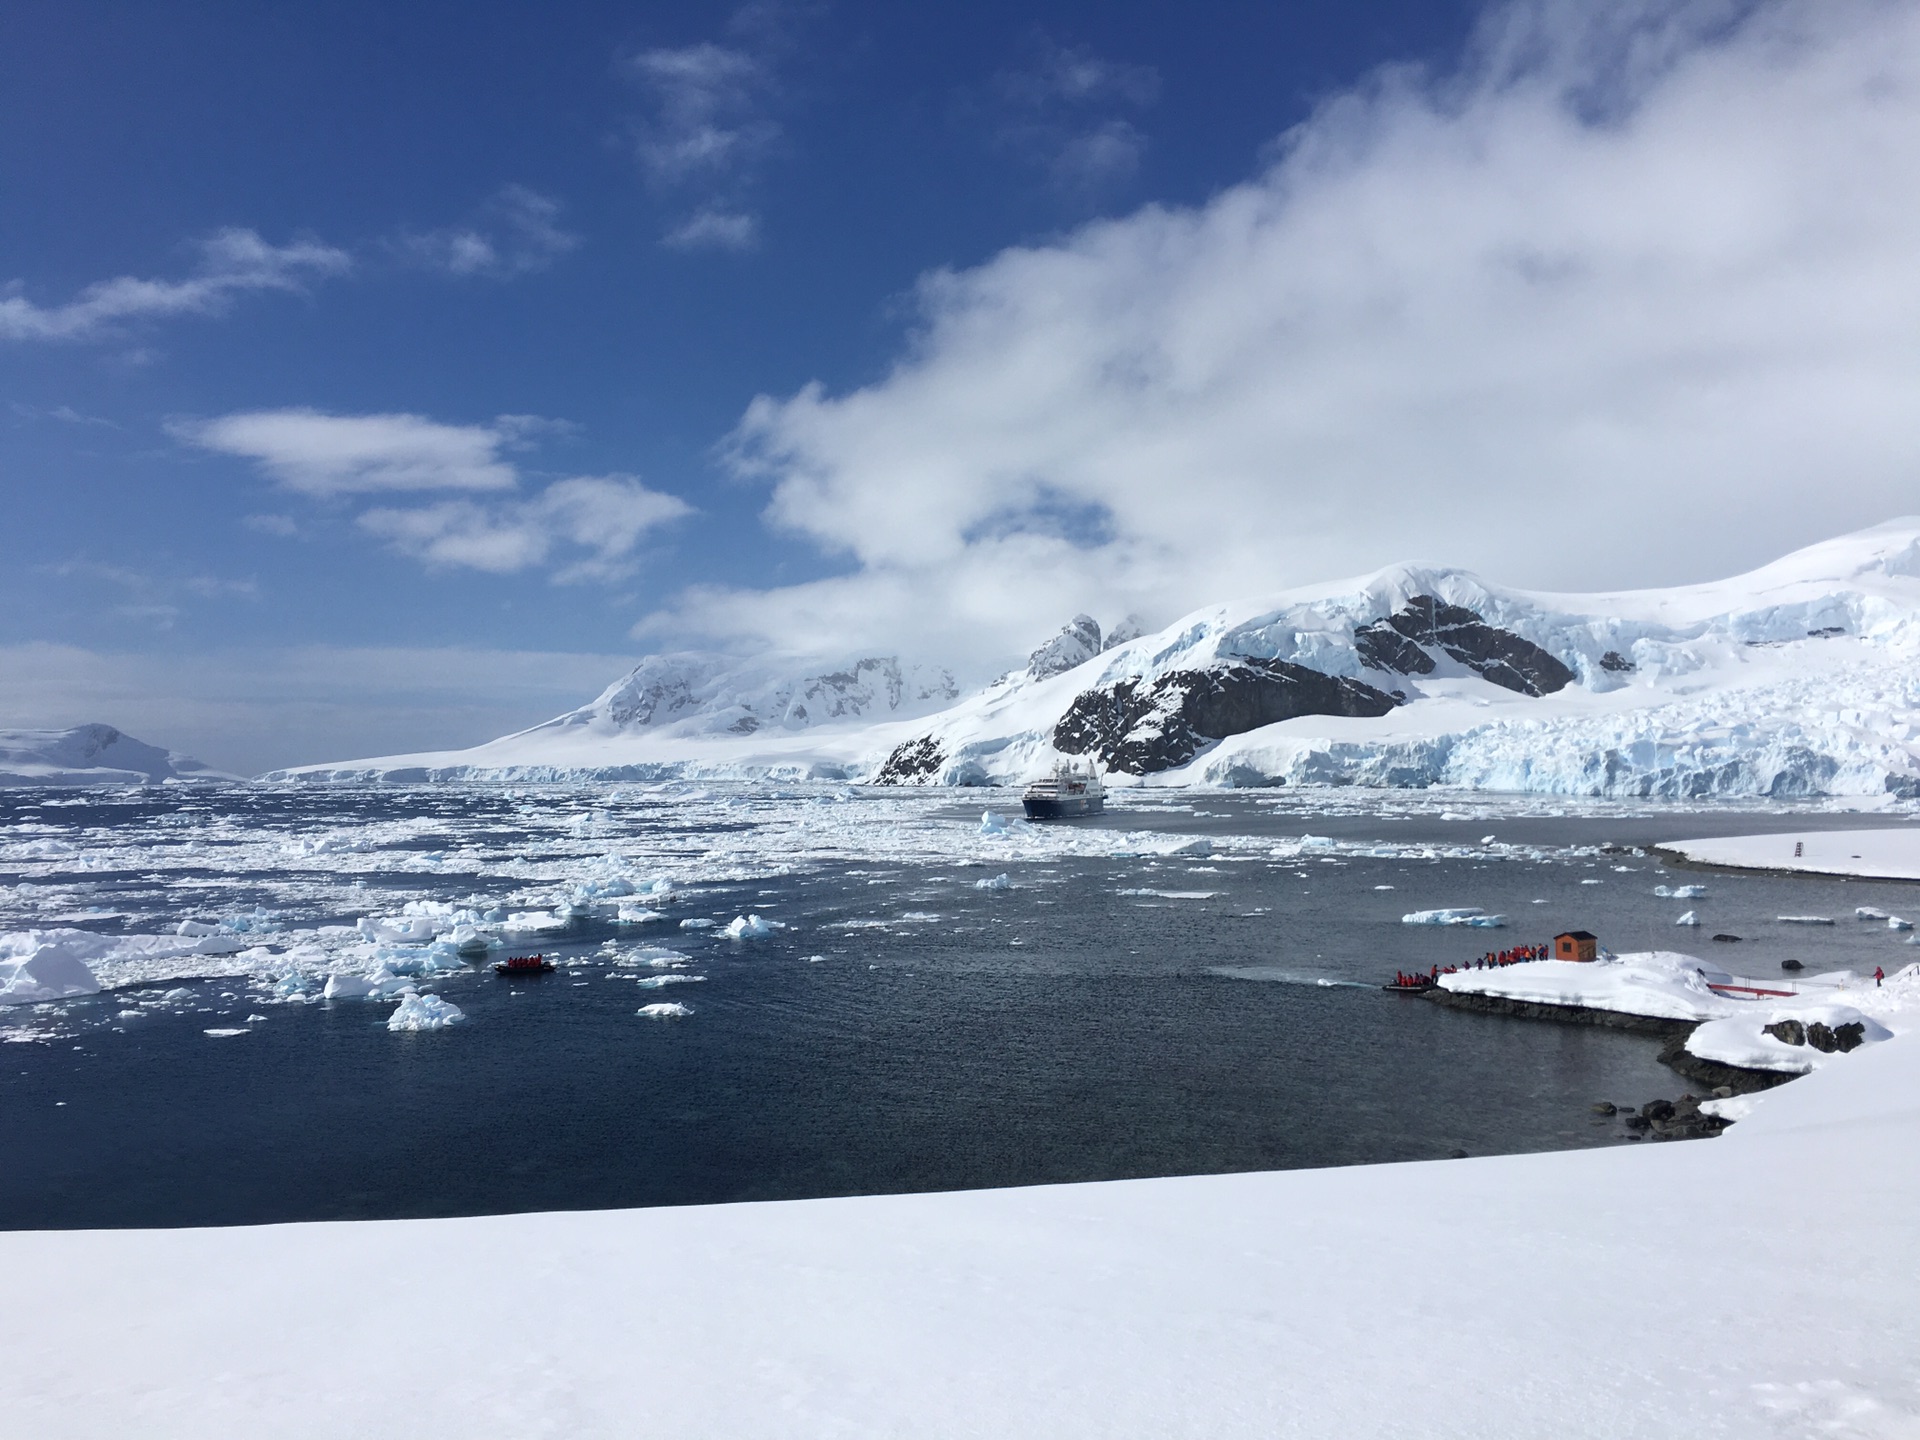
x,y
1068,792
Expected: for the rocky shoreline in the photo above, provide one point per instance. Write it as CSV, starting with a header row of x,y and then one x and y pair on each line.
x,y
1679,1119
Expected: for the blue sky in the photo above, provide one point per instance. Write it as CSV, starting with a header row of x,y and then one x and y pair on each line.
x,y
381,377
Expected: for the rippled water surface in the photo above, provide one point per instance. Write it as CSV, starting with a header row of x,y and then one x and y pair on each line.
x,y
1185,985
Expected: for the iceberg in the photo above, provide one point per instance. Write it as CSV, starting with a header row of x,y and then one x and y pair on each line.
x,y
1688,919
998,882
424,1012
664,1010
992,824
47,972
751,927
1461,915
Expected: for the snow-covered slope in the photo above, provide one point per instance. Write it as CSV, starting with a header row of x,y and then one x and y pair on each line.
x,y
1753,1287
1799,678
92,755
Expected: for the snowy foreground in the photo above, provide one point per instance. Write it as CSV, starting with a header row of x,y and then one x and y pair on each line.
x,y
1756,1285
1796,679
1870,854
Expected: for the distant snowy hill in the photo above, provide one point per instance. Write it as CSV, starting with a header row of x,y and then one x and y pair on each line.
x,y
92,755
1800,678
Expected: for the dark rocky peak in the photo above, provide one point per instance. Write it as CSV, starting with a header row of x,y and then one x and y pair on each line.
x,y
1494,654
1140,727
1077,643
1616,663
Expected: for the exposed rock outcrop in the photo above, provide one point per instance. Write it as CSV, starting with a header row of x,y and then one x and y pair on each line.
x,y
1142,728
913,762
1399,643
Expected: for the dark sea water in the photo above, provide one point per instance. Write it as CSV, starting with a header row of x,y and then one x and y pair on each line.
x,y
907,1031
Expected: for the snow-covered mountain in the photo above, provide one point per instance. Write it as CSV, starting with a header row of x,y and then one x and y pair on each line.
x,y
1800,678
93,755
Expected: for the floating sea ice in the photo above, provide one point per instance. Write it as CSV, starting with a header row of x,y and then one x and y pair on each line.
x,y
470,940
1688,919
534,922
998,882
1200,845
1383,887
1463,915
664,1010
1602,882
1689,892
700,924
221,1034
1894,922
195,928
654,982
751,927
639,915
1665,892
424,1012
1867,912
992,824
1803,919
45,972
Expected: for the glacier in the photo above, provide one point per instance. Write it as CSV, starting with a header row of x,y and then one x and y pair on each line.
x,y
1796,680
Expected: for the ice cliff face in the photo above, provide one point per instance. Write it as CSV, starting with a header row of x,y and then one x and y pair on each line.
x,y
1801,678
92,755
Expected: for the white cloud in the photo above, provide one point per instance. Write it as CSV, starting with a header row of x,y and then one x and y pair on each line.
x,y
706,116
516,233
1629,298
714,230
604,516
595,522
232,262
1058,111
709,126
323,455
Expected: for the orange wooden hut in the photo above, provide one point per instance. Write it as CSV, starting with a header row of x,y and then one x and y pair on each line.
x,y
1576,945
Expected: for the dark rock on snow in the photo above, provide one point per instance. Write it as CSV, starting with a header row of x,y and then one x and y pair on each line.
x,y
1490,652
1617,663
1787,1032
913,762
1141,728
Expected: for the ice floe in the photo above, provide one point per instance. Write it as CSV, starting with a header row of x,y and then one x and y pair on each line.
x,y
1459,915
664,1010
424,1012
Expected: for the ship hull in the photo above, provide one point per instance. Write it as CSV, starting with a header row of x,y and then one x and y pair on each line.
x,y
1062,807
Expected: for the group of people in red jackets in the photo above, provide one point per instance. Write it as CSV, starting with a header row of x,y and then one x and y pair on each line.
x,y
1518,955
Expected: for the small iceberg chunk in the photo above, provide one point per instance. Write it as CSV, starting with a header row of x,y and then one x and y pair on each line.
x,y
1894,922
639,915
424,1012
1867,912
998,882
700,924
45,972
751,927
654,982
664,1010
992,824
1460,915
1803,919
1688,919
